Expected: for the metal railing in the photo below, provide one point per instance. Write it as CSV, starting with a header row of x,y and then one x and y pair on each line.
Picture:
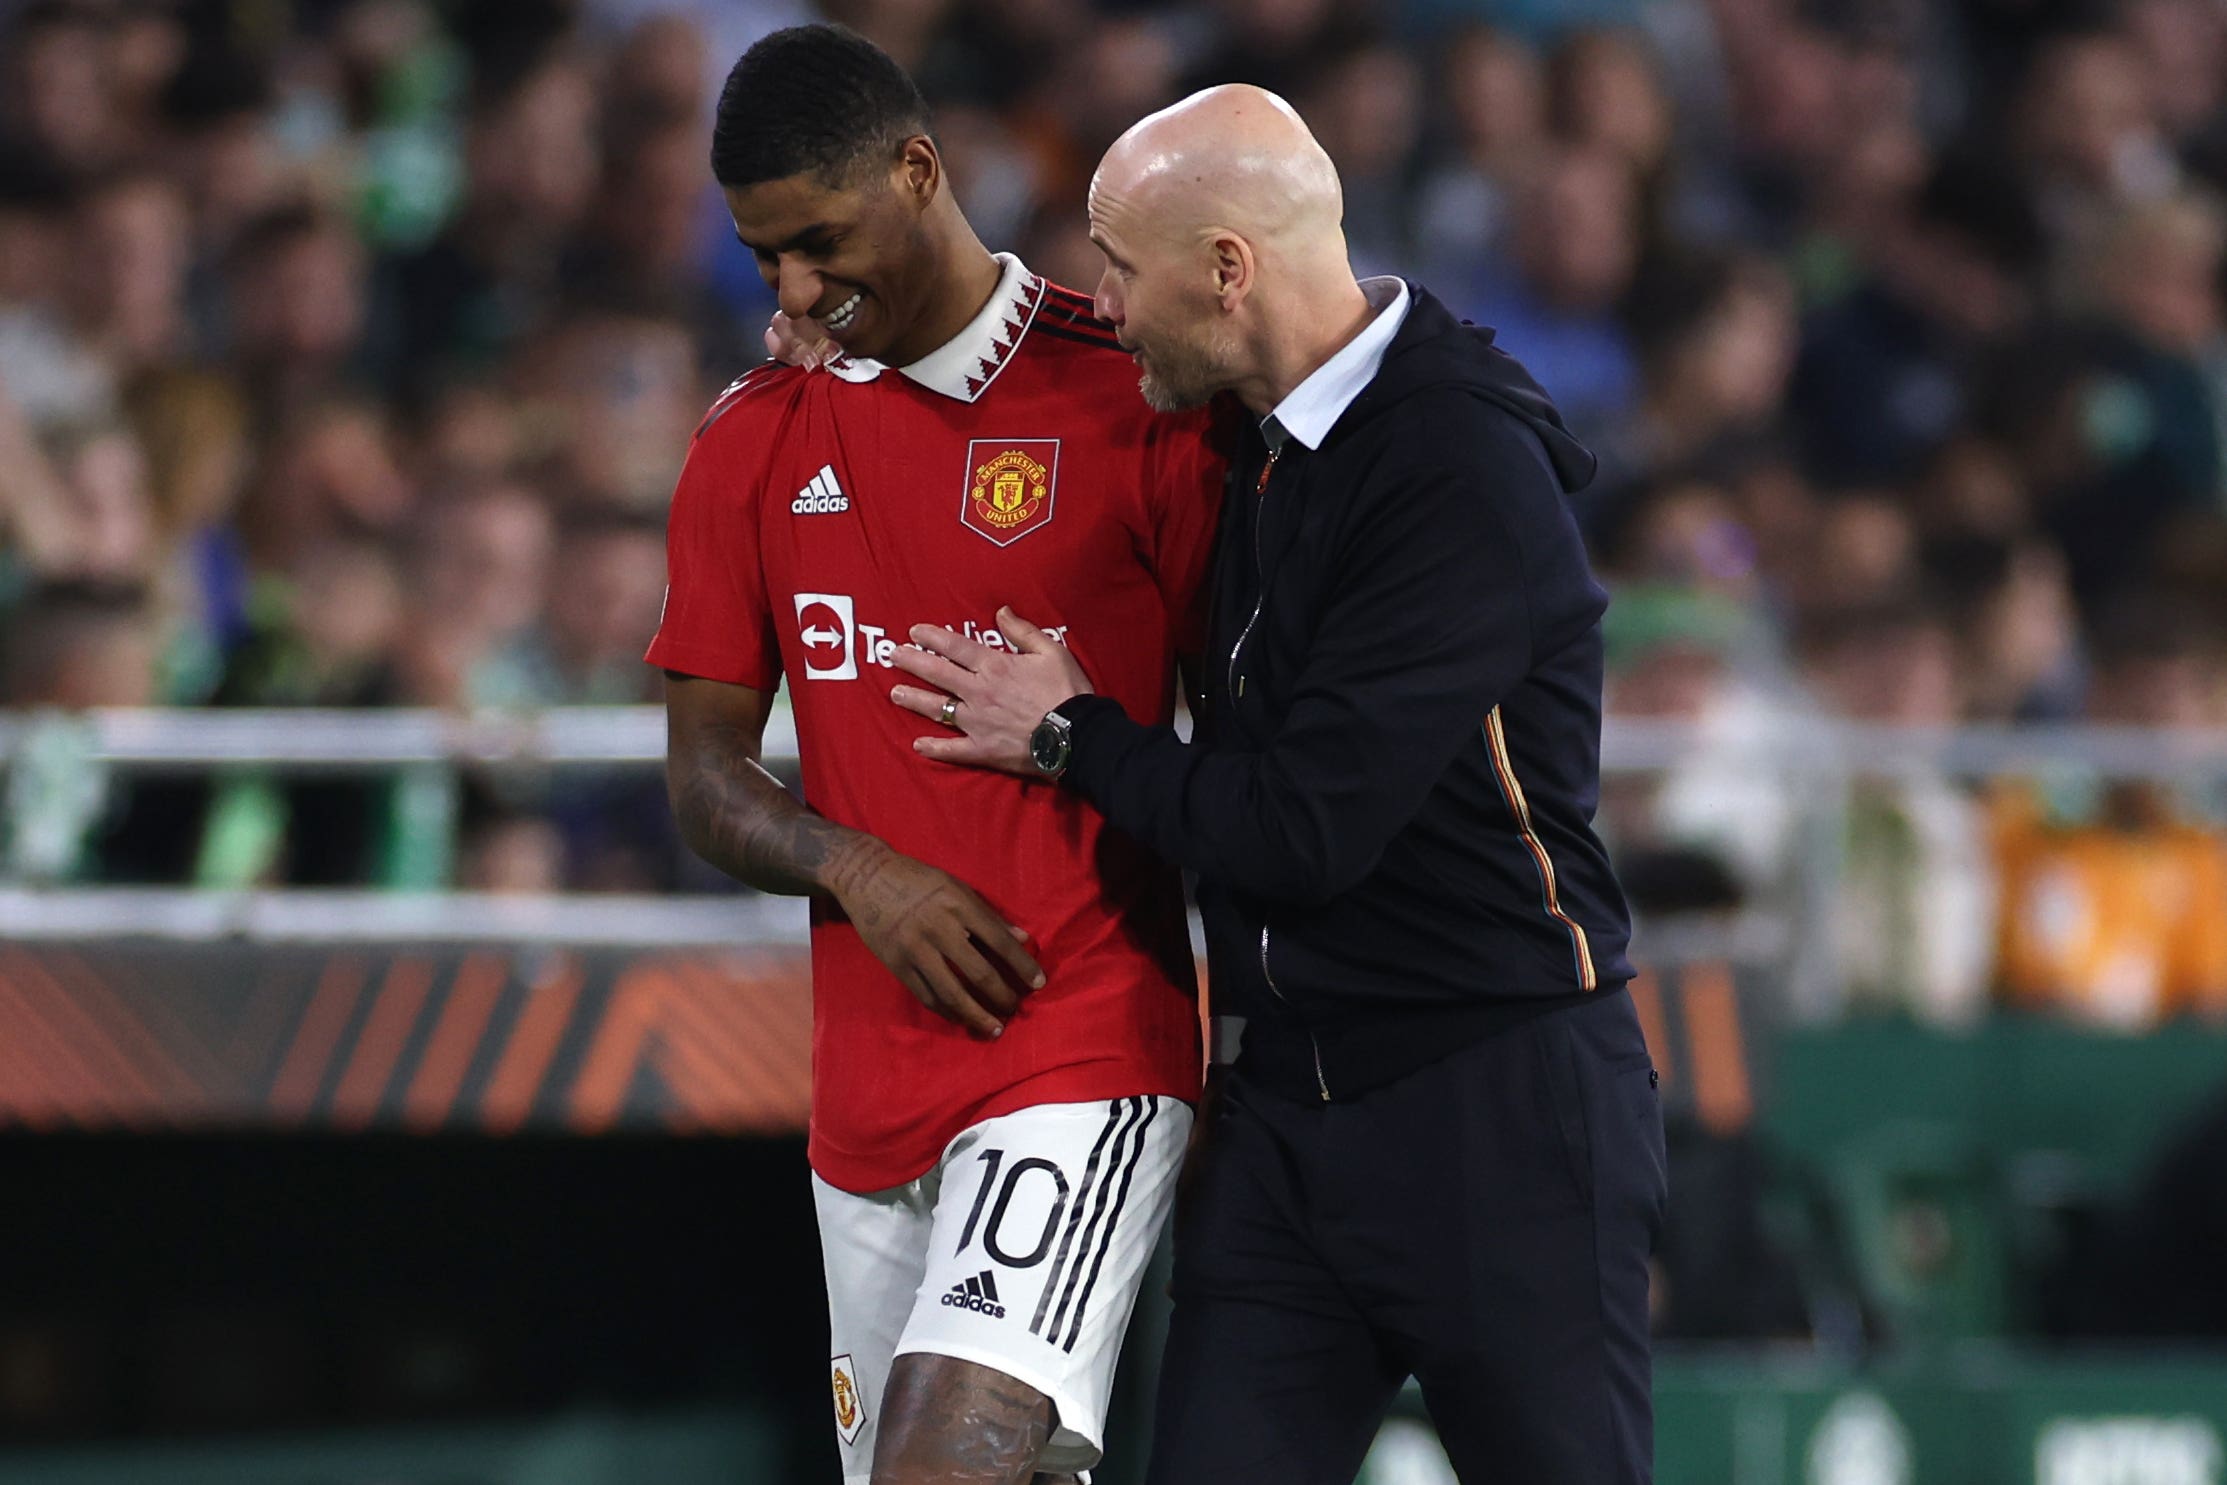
x,y
1815,760
310,739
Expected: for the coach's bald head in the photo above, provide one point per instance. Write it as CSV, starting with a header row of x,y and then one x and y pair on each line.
x,y
1232,157
1220,220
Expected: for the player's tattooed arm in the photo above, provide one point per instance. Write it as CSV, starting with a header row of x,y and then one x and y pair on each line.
x,y
946,945
731,811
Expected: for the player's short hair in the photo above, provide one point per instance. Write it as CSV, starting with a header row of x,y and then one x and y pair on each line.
x,y
820,99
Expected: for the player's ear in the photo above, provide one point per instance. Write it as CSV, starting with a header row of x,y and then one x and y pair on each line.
x,y
920,170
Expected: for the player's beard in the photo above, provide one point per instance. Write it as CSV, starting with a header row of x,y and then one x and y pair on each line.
x,y
1182,373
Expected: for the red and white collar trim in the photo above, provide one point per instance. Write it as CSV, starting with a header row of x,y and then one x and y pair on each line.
x,y
963,367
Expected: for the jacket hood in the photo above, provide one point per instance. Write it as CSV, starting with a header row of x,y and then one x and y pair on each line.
x,y
1434,349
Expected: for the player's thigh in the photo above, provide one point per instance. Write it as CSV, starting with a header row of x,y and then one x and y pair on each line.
x,y
874,1248
1270,1373
1045,1221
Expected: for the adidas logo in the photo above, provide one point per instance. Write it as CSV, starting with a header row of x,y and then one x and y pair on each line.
x,y
822,497
979,1294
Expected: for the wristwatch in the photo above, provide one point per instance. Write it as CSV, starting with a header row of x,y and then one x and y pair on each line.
x,y
1052,744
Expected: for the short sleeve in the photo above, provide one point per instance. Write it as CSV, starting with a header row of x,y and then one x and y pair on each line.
x,y
1189,454
716,622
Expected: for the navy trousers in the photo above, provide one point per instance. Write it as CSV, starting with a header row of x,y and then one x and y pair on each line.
x,y
1482,1225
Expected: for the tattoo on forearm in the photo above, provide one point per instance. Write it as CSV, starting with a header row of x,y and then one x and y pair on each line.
x,y
739,818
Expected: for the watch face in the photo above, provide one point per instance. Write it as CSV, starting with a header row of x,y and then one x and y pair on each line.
x,y
1047,745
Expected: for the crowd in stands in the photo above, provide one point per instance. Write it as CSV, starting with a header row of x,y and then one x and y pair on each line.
x,y
349,348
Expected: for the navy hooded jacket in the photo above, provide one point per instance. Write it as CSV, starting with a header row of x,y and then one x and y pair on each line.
x,y
1389,798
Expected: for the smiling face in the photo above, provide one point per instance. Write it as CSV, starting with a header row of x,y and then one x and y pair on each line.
x,y
856,256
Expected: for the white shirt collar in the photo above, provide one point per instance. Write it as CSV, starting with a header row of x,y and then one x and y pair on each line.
x,y
1316,404
963,367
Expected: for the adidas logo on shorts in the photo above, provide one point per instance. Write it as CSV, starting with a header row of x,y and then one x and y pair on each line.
x,y
979,1294
822,497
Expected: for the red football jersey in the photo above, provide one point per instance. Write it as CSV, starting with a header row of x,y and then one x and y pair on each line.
x,y
819,517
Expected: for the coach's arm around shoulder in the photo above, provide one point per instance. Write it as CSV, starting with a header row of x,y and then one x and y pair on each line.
x,y
932,931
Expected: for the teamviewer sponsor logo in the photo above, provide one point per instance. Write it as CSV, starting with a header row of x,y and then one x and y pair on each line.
x,y
836,644
979,1294
828,626
822,497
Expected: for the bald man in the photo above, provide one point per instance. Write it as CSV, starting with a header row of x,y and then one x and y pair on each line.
x,y
1438,1151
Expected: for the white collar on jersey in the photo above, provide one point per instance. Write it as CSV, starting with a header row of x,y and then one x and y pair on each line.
x,y
963,367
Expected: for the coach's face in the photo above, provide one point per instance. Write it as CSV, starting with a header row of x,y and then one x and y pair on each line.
x,y
852,253
1158,292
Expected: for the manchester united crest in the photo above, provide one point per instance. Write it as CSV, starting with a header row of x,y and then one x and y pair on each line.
x,y
850,1409
1011,484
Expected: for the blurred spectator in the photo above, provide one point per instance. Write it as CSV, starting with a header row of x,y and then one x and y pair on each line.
x,y
126,279
1688,538
71,646
2090,136
1914,903
223,148
606,589
52,373
1604,93
479,575
296,309
2112,890
79,643
1576,246
334,468
531,161
2183,50
662,73
1715,337
472,433
193,428
2023,631
109,520
34,509
508,851
327,635
58,93
611,399
1366,108
2127,400
1496,104
1881,381
1865,554
1673,656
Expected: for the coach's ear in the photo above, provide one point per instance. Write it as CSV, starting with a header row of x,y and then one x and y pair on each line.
x,y
1234,268
920,170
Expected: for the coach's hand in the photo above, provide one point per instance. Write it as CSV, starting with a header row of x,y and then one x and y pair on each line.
x,y
1001,694
799,343
957,956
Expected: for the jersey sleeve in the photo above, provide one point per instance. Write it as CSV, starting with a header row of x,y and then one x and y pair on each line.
x,y
1187,458
717,624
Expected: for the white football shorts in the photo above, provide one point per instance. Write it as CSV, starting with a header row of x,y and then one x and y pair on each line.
x,y
1022,1250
